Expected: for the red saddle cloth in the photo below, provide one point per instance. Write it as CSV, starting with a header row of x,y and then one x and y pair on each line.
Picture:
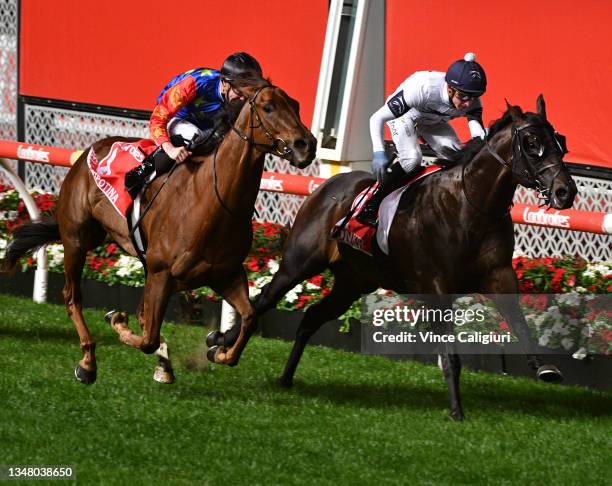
x,y
109,173
361,236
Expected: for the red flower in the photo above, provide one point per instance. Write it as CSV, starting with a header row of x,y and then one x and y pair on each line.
x,y
269,231
503,325
571,281
557,279
253,265
111,249
526,285
302,301
541,302
607,335
318,280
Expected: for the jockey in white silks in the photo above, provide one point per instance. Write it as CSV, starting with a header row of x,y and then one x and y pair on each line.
x,y
421,107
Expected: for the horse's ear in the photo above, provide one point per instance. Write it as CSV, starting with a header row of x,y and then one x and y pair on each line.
x,y
541,106
515,111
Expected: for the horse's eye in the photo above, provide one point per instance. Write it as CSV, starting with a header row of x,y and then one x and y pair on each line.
x,y
533,146
268,108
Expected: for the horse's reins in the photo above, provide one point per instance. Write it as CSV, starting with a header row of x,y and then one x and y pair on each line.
x,y
278,145
216,187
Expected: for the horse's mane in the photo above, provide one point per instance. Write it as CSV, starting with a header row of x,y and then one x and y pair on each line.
x,y
224,118
475,145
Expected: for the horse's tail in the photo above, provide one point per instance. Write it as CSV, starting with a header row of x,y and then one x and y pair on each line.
x,y
27,238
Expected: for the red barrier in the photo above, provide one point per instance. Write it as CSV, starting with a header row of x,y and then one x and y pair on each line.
x,y
38,153
569,219
290,184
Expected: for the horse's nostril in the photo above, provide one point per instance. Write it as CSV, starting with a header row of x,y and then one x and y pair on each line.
x,y
300,144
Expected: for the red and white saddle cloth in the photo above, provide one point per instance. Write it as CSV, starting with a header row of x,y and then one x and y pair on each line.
x,y
109,173
360,236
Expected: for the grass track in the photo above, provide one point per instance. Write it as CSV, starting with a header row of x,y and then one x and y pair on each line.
x,y
350,419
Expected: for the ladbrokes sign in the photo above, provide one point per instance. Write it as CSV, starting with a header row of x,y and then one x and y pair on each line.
x,y
31,153
545,218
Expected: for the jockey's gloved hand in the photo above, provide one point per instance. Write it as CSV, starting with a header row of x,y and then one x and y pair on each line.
x,y
380,162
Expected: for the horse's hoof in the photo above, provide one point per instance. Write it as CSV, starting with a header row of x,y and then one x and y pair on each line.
x,y
164,376
108,317
285,383
210,354
457,415
213,338
549,373
84,376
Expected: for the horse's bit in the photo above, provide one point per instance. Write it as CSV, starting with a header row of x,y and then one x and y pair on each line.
x,y
278,146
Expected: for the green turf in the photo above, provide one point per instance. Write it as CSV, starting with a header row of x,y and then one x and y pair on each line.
x,y
350,419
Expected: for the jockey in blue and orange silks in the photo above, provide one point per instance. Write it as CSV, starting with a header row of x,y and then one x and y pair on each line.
x,y
186,104
185,110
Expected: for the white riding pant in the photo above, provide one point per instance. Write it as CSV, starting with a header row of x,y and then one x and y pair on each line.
x,y
184,128
441,137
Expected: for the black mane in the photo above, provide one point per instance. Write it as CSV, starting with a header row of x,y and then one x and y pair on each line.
x,y
475,145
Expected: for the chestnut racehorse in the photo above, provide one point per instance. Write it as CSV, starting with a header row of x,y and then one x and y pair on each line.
x,y
452,234
198,229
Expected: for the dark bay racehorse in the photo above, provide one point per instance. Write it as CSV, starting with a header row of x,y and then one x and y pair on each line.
x,y
452,234
199,228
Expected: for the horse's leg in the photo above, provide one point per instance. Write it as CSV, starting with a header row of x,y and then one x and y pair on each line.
x,y
163,371
235,291
301,260
74,260
501,285
157,291
344,292
449,360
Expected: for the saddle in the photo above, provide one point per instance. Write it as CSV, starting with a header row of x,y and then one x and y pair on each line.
x,y
366,238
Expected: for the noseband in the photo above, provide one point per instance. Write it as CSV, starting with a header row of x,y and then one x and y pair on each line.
x,y
277,145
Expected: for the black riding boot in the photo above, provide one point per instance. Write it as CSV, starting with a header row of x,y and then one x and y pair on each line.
x,y
157,161
394,177
136,178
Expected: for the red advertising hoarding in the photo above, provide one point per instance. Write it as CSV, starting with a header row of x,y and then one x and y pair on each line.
x,y
121,54
559,48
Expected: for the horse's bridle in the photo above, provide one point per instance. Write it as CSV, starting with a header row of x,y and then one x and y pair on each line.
x,y
277,146
521,166
522,161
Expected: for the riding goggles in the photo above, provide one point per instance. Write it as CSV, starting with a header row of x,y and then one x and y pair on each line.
x,y
463,96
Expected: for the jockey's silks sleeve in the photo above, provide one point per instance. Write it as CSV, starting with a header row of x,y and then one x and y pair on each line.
x,y
170,103
422,99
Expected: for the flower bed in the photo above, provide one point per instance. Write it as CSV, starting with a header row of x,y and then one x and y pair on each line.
x,y
570,281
